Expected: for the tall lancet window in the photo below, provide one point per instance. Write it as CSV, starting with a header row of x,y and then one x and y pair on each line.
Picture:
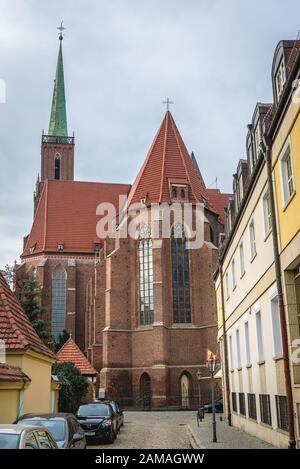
x,y
58,301
145,276
57,163
180,276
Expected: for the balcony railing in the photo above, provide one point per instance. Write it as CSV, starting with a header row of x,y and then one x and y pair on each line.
x,y
58,140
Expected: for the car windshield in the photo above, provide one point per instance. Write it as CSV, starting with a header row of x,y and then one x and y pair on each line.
x,y
8,441
114,407
57,428
95,410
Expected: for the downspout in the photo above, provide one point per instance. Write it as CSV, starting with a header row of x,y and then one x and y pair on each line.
x,y
225,346
266,147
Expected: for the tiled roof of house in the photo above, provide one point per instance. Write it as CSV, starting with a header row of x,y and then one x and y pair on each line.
x,y
66,214
70,352
167,162
12,373
219,201
15,328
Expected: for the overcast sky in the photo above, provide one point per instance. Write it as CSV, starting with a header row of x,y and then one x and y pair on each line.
x,y
122,58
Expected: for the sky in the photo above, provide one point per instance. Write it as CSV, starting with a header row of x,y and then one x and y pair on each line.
x,y
122,58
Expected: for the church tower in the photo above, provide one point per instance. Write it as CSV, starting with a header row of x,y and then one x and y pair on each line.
x,y
57,148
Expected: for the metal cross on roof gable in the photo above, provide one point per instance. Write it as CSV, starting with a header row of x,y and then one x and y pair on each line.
x,y
61,30
167,102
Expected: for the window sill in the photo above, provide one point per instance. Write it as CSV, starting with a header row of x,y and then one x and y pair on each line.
x,y
287,203
277,358
261,362
253,257
268,235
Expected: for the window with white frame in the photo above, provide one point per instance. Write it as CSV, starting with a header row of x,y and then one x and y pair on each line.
x,y
277,341
242,258
231,353
252,239
238,348
247,342
257,139
267,212
227,285
287,174
280,79
233,274
259,334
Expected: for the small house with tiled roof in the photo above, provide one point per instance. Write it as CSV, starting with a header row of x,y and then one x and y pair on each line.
x,y
70,352
25,377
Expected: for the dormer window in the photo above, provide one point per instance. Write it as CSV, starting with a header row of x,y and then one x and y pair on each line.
x,y
257,139
60,247
32,249
179,192
280,79
143,201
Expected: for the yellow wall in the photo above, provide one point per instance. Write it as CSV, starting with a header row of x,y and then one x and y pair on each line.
x,y
37,397
288,217
9,402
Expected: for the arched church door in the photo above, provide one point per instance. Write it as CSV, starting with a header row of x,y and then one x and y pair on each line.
x,y
184,384
145,391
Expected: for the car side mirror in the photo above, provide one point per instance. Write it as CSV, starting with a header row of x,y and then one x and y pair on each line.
x,y
77,437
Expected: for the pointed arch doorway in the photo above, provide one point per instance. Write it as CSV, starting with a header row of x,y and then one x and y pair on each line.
x,y
146,391
185,391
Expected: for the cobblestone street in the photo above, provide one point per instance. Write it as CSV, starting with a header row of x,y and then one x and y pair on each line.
x,y
178,430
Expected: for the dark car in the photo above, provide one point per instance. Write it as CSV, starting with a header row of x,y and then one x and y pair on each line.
x,y
64,428
25,437
98,421
119,414
218,406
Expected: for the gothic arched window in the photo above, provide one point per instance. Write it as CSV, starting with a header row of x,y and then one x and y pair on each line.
x,y
57,162
180,276
145,276
58,301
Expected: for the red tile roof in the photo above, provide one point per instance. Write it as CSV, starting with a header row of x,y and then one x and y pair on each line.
x,y
167,161
15,328
66,214
70,352
12,373
218,200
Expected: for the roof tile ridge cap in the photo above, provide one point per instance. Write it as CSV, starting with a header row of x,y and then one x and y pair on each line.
x,y
175,130
164,156
35,214
140,173
64,345
46,212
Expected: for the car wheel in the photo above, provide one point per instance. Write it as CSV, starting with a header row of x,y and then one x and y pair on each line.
x,y
111,437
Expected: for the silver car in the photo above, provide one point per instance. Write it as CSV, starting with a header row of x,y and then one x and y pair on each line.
x,y
25,437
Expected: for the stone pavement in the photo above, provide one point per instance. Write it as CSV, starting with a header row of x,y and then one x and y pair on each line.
x,y
228,437
178,430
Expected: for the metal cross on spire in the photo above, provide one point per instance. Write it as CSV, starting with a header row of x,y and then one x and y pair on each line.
x,y
167,102
61,30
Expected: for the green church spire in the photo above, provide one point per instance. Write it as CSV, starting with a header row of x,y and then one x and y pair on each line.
x,y
58,120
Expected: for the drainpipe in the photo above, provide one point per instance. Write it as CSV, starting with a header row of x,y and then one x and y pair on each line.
x,y
266,147
225,361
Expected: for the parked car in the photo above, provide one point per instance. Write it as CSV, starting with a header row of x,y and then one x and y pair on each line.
x,y
119,414
64,428
218,406
25,437
98,421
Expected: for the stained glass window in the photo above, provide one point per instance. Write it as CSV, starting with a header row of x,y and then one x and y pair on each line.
x,y
180,276
58,301
145,276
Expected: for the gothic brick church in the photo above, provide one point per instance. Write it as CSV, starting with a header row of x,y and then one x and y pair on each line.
x,y
142,310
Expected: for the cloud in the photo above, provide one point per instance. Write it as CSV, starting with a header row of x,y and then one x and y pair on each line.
x,y
122,58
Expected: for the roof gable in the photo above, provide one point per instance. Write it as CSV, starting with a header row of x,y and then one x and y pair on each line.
x,y
15,327
70,352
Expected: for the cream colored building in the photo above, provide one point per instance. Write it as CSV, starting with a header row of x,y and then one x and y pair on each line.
x,y
248,313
